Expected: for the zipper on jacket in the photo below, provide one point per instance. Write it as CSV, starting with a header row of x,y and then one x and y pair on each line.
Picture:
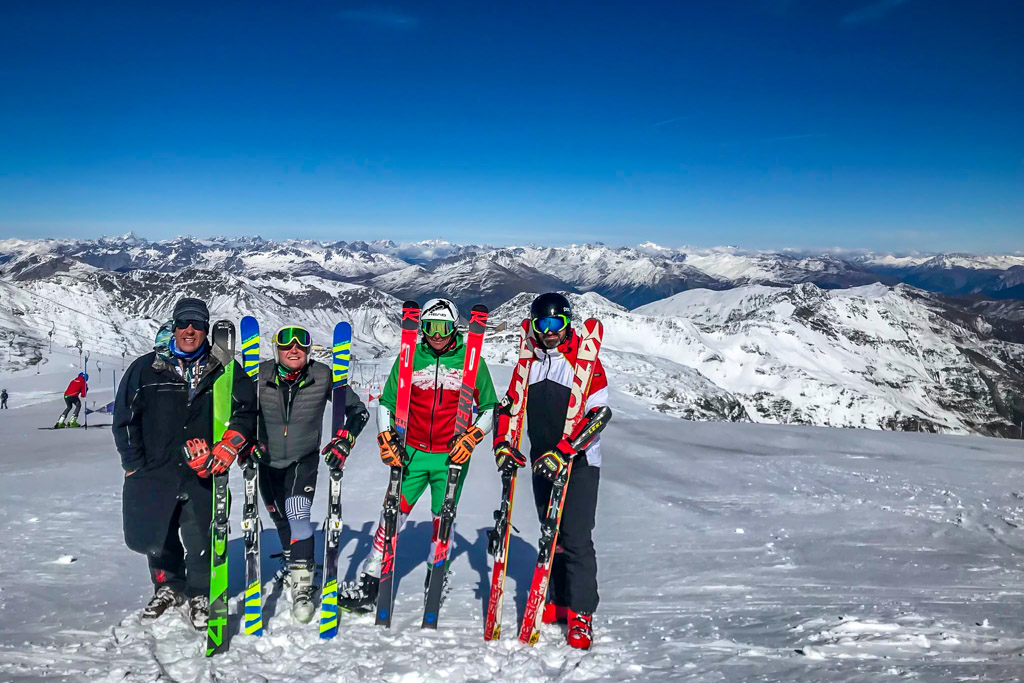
x,y
435,403
291,389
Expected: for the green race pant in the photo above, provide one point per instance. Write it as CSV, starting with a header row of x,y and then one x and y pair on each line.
x,y
425,469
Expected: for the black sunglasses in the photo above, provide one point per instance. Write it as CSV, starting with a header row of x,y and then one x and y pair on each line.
x,y
197,325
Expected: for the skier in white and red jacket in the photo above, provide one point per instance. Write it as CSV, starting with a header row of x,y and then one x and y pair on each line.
x,y
573,595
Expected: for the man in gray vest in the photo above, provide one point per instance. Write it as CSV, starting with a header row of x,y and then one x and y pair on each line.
x,y
293,392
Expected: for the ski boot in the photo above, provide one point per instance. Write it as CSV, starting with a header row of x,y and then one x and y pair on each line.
x,y
73,423
359,596
301,576
199,611
163,599
554,614
281,575
59,425
581,630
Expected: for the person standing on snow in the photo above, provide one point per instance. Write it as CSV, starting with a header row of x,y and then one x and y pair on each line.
x,y
293,392
436,382
573,592
79,386
3,399
164,401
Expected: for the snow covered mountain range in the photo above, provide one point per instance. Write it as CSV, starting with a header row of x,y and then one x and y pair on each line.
x,y
630,276
704,334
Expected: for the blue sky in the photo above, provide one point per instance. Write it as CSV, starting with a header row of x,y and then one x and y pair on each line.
x,y
880,124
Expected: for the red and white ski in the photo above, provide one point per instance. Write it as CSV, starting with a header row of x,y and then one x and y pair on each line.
x,y
463,421
392,499
515,403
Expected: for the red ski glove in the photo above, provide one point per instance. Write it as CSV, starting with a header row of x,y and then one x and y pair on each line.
x,y
338,449
197,454
226,451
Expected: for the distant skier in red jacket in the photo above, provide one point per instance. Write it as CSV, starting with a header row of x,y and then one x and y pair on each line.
x,y
79,386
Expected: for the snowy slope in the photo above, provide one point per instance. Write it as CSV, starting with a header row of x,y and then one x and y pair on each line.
x,y
874,356
488,279
633,360
728,552
119,313
236,255
871,357
974,261
810,357
628,276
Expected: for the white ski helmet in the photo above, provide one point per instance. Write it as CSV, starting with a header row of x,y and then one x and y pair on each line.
x,y
440,309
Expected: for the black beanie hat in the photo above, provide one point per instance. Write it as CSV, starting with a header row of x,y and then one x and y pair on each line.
x,y
191,309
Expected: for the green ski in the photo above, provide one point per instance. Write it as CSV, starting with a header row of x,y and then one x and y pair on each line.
x,y
223,349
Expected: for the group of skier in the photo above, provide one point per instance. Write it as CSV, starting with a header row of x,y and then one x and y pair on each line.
x,y
163,429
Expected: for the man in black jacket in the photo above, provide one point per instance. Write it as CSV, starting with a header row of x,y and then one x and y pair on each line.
x,y
164,400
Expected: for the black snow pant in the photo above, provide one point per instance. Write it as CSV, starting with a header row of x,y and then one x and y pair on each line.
x,y
574,567
184,561
3,404
69,403
167,514
288,495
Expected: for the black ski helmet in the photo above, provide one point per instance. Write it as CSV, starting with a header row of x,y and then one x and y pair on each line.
x,y
549,305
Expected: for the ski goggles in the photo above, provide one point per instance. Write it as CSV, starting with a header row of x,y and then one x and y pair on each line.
x,y
197,325
555,323
287,336
437,328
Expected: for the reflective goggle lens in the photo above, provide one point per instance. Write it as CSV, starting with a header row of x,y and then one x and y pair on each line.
x,y
437,328
555,323
197,325
293,335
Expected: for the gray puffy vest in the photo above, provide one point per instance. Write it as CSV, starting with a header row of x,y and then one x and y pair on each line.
x,y
292,413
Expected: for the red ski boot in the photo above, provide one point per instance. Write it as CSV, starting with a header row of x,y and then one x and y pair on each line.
x,y
581,631
554,614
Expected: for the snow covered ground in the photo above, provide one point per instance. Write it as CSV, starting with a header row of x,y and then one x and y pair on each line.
x,y
727,551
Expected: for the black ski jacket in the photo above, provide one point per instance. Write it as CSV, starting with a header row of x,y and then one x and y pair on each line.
x,y
153,417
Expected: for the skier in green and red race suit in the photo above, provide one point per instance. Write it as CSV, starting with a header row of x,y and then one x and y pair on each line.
x,y
431,441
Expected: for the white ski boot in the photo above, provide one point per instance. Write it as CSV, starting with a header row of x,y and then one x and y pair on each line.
x,y
303,607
